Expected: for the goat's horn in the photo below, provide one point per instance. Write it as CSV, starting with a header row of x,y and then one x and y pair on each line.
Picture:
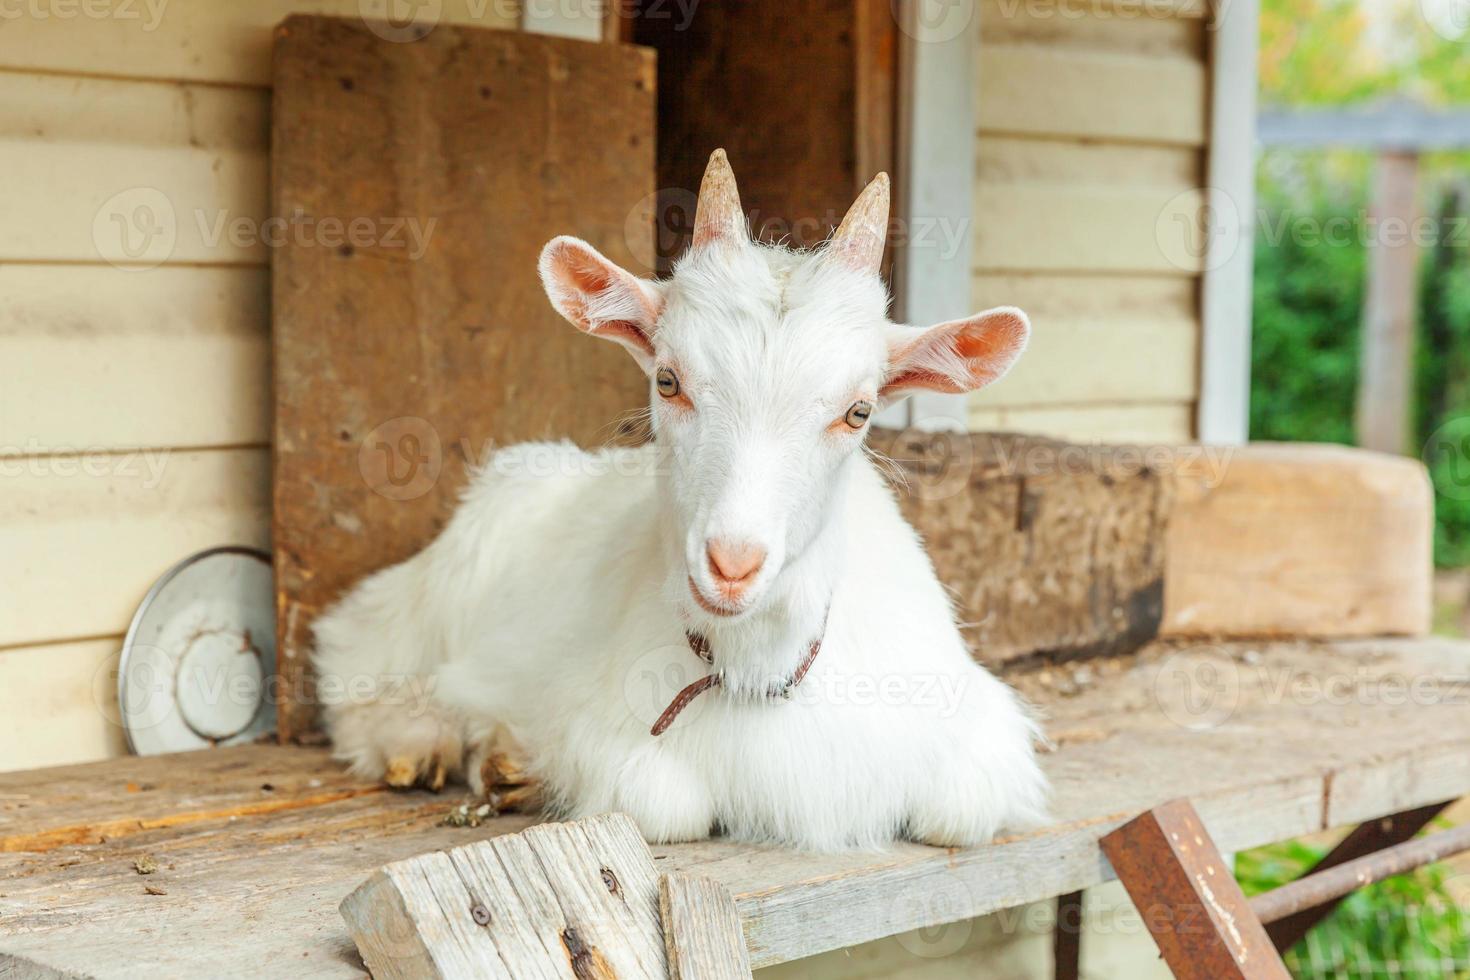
x,y
718,215
862,234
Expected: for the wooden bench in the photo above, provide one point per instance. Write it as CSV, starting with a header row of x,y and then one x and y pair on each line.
x,y
255,847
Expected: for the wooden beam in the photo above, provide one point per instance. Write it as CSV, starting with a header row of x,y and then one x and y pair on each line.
x,y
1223,414
1185,891
1386,362
1395,126
1066,943
702,932
936,167
1292,539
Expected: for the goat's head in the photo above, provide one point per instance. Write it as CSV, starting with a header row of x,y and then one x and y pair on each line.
x,y
766,367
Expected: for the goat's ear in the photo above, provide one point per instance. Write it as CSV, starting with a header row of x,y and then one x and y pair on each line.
x,y
954,357
600,298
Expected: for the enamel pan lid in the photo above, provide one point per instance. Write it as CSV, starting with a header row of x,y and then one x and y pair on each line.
x,y
199,659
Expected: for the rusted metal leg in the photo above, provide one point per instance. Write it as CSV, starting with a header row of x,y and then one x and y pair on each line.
x,y
1187,895
1066,938
1320,887
1367,838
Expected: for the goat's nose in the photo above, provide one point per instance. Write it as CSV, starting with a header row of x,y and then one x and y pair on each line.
x,y
734,561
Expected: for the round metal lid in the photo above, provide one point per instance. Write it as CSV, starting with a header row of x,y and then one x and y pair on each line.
x,y
199,656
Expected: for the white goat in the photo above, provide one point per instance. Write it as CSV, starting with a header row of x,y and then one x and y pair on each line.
x,y
752,548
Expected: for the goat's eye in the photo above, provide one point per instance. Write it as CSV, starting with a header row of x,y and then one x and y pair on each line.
x,y
667,382
858,415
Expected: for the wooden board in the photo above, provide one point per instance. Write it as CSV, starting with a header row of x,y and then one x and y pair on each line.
x,y
58,703
1096,339
1306,540
201,40
103,358
1111,421
85,536
422,363
1041,90
1049,549
245,886
577,899
701,929
183,163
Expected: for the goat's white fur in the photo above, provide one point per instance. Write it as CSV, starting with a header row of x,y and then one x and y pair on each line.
x,y
552,608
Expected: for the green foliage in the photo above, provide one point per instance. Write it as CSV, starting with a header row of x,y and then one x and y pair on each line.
x,y
1442,388
1307,303
1404,927
1310,267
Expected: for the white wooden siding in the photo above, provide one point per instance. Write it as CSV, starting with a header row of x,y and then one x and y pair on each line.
x,y
1091,131
134,402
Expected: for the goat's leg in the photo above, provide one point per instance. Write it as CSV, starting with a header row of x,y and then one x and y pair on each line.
x,y
403,741
498,771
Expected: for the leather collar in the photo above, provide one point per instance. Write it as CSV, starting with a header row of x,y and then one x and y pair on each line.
x,y
699,643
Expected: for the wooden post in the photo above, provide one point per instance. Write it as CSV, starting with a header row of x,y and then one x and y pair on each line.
x,y
1385,383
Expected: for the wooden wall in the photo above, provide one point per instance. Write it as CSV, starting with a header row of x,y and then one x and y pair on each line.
x,y
1091,132
134,403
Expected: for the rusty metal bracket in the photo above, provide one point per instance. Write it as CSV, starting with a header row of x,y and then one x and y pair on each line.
x,y
1204,925
1187,894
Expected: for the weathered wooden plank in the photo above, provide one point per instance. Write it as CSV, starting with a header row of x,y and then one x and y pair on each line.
x,y
1133,735
185,179
1038,90
204,40
67,110
1305,540
1047,547
1135,27
1116,422
46,809
58,705
1013,159
100,358
577,899
406,342
1065,226
1087,333
701,929
108,524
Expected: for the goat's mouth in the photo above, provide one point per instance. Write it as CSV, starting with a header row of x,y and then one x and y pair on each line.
x,y
711,607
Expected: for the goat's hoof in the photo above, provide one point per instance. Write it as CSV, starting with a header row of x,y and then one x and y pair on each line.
x,y
402,772
507,784
436,778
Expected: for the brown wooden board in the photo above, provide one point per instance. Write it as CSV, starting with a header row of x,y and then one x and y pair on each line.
x,y
1049,548
401,356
